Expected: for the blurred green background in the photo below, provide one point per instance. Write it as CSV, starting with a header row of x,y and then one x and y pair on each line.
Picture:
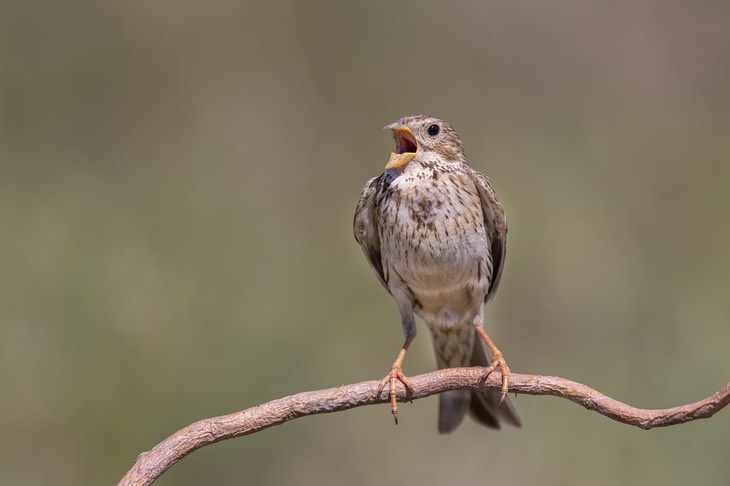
x,y
177,185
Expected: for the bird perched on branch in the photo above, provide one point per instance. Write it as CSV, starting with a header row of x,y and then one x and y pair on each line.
x,y
435,234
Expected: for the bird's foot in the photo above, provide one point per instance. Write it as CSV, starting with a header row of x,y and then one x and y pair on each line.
x,y
395,375
499,362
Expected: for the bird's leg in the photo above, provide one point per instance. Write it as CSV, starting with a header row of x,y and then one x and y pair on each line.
x,y
497,360
396,373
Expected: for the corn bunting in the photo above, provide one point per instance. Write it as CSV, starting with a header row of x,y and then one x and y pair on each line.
x,y
434,232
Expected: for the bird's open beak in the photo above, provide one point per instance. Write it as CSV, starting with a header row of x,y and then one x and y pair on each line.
x,y
405,145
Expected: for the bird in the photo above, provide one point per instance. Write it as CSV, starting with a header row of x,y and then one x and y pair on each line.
x,y
435,235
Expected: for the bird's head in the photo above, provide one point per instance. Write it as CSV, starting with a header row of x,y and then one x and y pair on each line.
x,y
417,135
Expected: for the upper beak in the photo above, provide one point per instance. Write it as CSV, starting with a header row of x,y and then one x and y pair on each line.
x,y
406,145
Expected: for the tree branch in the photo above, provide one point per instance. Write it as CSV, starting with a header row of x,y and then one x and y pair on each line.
x,y
152,464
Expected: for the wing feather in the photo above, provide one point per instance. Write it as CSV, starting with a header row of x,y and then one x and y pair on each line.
x,y
365,227
495,223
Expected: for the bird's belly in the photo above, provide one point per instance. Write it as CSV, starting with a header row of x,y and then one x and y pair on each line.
x,y
447,307
434,242
443,259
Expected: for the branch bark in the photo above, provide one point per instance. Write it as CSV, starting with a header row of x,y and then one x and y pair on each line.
x,y
152,464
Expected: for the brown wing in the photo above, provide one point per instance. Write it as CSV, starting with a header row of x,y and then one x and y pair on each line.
x,y
365,227
496,225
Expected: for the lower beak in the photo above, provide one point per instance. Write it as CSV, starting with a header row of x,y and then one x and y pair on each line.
x,y
399,160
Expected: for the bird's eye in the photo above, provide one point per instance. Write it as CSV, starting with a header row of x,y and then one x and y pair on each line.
x,y
433,130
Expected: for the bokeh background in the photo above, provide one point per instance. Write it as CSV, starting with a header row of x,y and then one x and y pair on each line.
x,y
177,185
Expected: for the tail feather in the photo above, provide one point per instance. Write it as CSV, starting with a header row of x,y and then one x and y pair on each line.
x,y
452,409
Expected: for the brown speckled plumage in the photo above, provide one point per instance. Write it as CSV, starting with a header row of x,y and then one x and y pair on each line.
x,y
435,234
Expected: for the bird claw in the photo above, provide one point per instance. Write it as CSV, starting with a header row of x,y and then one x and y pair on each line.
x,y
395,375
499,362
